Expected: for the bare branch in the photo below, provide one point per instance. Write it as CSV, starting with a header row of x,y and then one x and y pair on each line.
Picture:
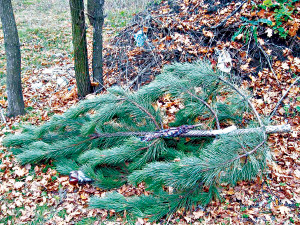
x,y
268,60
140,74
283,97
234,12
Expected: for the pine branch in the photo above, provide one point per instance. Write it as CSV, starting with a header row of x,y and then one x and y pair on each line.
x,y
117,138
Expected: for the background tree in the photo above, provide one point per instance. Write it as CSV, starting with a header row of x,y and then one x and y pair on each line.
x,y
13,57
96,18
80,48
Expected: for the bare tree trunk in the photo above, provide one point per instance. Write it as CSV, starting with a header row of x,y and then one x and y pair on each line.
x,y
96,17
13,57
80,50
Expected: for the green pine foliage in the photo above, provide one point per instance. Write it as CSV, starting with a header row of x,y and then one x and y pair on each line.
x,y
102,137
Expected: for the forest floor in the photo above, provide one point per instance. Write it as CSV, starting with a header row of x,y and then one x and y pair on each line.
x,y
263,61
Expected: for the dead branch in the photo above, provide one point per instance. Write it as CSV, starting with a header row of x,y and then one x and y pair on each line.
x,y
140,74
234,12
234,131
283,97
268,60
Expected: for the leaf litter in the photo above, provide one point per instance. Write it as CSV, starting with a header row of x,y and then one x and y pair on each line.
x,y
175,31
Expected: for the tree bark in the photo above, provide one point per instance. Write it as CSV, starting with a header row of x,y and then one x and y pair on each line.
x,y
80,50
204,133
96,18
13,57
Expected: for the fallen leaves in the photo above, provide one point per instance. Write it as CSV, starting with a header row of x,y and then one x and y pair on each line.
x,y
198,214
208,33
52,90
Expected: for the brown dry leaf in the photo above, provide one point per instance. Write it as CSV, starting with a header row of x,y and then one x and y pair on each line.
x,y
3,102
245,66
140,221
20,172
284,210
84,196
231,191
261,13
188,218
269,51
72,94
285,66
19,184
294,29
261,41
208,33
198,214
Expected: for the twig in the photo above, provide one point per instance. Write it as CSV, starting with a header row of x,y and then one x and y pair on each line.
x,y
62,197
236,158
208,106
234,12
281,99
145,111
140,74
245,98
170,217
249,45
269,63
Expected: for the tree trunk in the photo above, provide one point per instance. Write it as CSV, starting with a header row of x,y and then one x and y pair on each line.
x,y
80,50
13,57
96,17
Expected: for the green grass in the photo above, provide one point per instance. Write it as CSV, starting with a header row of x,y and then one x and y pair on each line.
x,y
119,12
45,30
87,221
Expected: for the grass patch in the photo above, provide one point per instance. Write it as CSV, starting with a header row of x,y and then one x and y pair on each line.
x,y
45,29
87,221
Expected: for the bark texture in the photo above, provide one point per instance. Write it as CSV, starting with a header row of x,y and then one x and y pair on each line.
x,y
13,57
232,130
96,18
80,50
